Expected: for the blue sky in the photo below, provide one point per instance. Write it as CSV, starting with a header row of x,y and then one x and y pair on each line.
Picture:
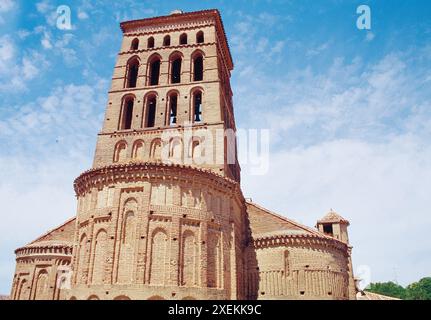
x,y
349,113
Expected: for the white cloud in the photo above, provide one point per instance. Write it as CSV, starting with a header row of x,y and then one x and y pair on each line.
x,y
353,137
16,69
46,144
30,71
312,52
43,6
61,45
48,11
6,5
82,15
382,188
352,100
370,36
7,50
46,41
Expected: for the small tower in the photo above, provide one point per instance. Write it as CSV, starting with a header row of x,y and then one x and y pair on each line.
x,y
334,225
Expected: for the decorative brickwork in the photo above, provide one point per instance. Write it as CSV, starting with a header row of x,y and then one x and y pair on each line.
x,y
147,228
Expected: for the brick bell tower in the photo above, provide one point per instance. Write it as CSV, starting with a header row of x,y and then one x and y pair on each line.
x,y
161,214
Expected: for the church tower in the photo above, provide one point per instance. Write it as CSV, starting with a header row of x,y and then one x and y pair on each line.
x,y
161,213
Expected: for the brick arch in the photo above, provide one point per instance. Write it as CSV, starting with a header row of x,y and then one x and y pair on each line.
x,y
183,39
159,257
189,298
194,93
23,290
195,149
15,285
151,97
174,54
196,53
214,262
167,40
197,67
134,44
176,148
41,287
200,37
151,59
93,297
189,259
125,118
156,298
138,150
82,257
132,72
127,241
120,151
150,42
156,149
175,69
100,254
122,297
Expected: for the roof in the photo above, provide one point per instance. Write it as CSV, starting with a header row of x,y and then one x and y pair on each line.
x,y
366,295
55,236
280,225
333,217
168,19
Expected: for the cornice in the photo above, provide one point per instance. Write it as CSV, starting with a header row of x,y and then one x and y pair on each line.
x,y
297,239
145,171
190,17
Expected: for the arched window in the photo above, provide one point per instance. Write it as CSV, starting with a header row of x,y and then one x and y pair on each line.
x,y
127,248
150,42
196,150
132,73
158,257
127,114
156,149
173,102
176,149
197,106
198,68
189,259
154,72
135,44
200,37
167,41
41,285
151,112
138,150
176,70
183,38
120,151
100,254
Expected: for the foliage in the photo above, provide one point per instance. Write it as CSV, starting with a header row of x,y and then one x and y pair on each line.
x,y
390,289
420,290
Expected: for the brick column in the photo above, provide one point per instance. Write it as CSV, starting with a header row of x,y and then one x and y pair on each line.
x,y
174,251
142,234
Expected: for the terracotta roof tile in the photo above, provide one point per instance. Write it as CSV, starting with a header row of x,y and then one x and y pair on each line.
x,y
332,217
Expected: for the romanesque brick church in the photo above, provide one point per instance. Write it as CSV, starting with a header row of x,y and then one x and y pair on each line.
x,y
161,214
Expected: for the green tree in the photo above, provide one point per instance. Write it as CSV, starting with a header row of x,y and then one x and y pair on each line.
x,y
419,290
390,289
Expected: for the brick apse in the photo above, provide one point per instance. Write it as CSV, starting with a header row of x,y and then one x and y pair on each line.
x,y
155,222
